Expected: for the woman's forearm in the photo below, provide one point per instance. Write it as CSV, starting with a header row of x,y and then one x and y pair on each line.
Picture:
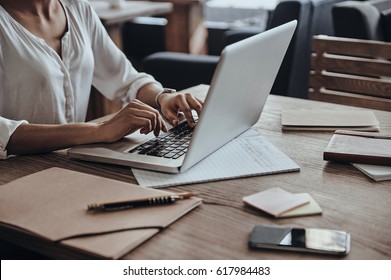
x,y
36,138
41,138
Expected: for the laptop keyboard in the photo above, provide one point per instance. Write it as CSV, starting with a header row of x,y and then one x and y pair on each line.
x,y
172,144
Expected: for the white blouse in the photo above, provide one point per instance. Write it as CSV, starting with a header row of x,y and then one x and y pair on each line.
x,y
39,86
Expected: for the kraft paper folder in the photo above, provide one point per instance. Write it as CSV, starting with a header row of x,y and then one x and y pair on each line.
x,y
46,212
329,120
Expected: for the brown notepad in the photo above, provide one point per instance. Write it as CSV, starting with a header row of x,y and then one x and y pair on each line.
x,y
329,120
275,201
359,147
47,212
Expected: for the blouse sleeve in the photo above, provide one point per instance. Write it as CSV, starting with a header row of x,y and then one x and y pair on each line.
x,y
114,75
7,128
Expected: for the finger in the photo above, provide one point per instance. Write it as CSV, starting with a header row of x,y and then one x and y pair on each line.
x,y
195,104
164,127
184,106
160,126
202,102
157,122
129,120
182,103
140,123
144,114
171,114
179,106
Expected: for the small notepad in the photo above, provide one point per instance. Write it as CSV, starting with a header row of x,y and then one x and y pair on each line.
x,y
311,208
375,172
275,201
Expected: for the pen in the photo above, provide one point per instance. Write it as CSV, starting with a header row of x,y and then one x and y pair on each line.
x,y
149,201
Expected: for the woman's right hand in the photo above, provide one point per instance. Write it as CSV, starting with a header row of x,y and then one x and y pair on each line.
x,y
41,138
134,116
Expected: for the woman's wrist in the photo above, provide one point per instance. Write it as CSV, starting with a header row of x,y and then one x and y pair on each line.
x,y
160,96
94,133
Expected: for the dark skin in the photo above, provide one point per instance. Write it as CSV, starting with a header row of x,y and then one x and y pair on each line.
x,y
46,19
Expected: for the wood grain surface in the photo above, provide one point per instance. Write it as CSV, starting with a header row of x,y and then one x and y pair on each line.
x,y
220,227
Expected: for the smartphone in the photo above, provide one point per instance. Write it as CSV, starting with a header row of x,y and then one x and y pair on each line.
x,y
313,240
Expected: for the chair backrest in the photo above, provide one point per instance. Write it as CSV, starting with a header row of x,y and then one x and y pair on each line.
x,y
362,20
314,17
351,71
290,81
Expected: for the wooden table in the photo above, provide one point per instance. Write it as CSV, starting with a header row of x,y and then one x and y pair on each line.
x,y
113,19
219,228
185,30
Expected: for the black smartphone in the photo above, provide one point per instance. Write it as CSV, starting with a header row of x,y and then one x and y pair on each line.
x,y
313,240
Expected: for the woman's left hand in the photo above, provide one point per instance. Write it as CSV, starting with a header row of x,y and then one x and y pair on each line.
x,y
172,104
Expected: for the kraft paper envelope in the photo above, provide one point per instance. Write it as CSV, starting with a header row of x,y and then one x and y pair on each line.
x,y
326,120
50,206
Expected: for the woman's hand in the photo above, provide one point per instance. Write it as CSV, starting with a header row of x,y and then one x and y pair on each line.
x,y
172,104
135,116
38,138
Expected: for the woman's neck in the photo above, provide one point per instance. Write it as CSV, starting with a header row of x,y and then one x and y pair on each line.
x,y
45,19
38,8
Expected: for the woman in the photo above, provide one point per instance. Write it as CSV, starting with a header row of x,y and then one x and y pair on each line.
x,y
51,52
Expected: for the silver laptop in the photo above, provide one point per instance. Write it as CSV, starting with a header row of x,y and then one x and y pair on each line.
x,y
241,84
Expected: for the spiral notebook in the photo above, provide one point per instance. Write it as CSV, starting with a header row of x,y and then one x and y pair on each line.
x,y
250,154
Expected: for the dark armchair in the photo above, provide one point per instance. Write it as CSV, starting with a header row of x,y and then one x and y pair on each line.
x,y
368,20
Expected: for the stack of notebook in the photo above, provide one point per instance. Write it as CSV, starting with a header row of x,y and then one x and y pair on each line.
x,y
367,151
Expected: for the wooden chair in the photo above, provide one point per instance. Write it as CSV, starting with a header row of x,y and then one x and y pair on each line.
x,y
351,71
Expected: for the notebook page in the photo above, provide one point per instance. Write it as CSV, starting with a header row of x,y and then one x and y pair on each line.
x,y
250,154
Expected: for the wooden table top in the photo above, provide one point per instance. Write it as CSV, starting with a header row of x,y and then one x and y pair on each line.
x,y
129,10
220,227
